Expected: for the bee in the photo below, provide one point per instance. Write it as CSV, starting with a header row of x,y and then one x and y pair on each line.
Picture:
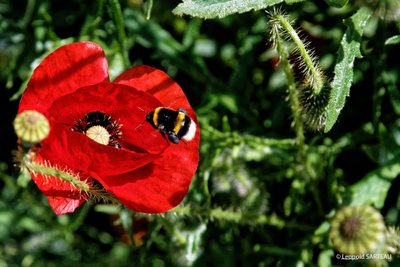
x,y
175,124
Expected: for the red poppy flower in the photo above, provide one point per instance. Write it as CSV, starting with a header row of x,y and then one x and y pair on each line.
x,y
135,162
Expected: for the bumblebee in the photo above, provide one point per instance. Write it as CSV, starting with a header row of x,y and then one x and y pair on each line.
x,y
175,124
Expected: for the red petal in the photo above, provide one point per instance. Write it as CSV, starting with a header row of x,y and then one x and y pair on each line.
x,y
141,144
158,186
158,84
161,185
62,72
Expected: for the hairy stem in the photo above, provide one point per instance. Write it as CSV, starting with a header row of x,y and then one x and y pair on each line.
x,y
315,75
293,96
94,192
281,48
239,217
63,175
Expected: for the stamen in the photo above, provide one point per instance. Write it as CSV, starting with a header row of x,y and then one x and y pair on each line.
x,y
100,128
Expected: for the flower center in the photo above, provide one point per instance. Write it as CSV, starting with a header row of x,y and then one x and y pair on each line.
x,y
350,228
99,127
98,134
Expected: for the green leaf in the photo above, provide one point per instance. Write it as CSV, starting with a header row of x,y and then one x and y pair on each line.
x,y
393,40
349,50
373,188
325,257
208,9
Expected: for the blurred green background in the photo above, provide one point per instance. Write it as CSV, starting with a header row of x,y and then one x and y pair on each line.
x,y
255,200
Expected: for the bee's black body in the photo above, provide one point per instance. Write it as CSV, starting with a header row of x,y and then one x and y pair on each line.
x,y
175,124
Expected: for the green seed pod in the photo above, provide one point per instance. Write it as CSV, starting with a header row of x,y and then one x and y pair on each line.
x,y
357,230
31,126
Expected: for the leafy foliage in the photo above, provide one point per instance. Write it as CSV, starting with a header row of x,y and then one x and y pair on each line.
x,y
219,9
350,49
264,192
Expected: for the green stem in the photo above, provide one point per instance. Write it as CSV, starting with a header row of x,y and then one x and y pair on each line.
x,y
95,193
315,73
24,22
79,220
149,8
239,217
65,176
170,226
119,22
293,94
307,172
229,137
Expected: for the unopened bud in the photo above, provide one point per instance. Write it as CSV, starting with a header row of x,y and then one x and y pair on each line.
x,y
357,230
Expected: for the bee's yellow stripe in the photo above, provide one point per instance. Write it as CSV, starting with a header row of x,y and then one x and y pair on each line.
x,y
178,122
155,116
